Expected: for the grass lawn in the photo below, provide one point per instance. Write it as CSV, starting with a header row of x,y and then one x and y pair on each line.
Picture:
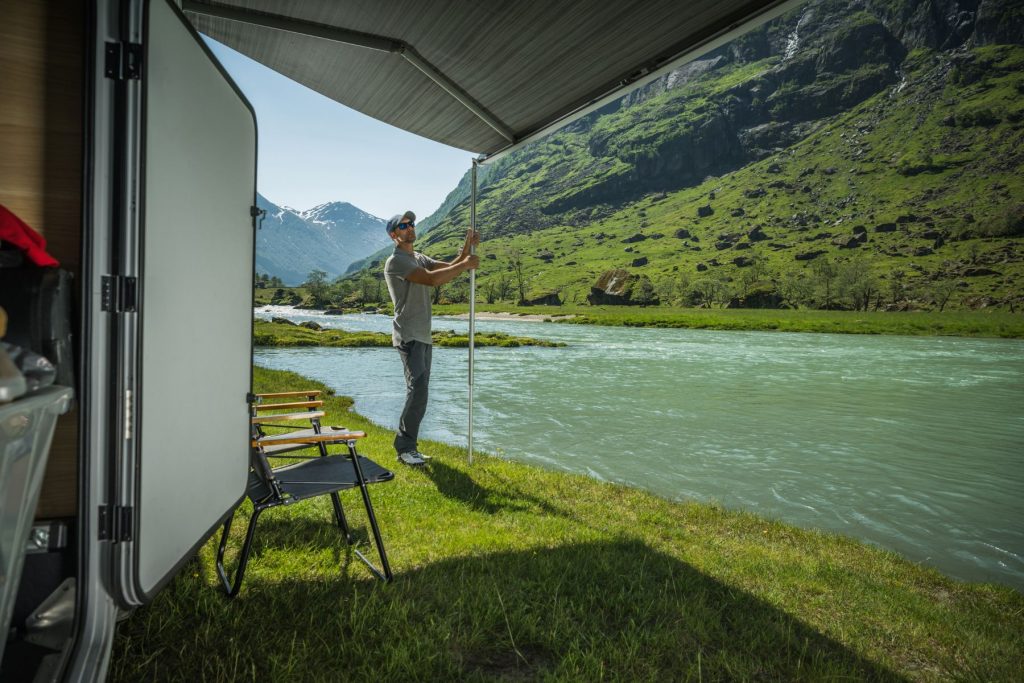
x,y
950,323
506,571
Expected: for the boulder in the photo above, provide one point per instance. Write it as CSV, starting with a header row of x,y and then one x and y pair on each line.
x,y
775,168
546,299
736,213
847,241
637,237
757,235
310,325
681,234
885,227
701,267
637,262
282,321
545,256
923,251
704,211
978,272
808,255
619,287
754,194
758,298
743,261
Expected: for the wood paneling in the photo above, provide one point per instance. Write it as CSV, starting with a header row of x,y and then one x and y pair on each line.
x,y
41,62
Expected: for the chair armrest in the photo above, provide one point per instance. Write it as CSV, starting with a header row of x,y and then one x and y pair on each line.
x,y
305,415
287,394
282,439
282,406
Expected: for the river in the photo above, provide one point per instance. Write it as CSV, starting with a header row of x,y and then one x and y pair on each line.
x,y
915,444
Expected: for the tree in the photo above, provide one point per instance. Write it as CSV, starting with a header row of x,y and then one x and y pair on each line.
x,y
318,288
515,260
706,291
942,292
795,288
897,285
857,279
825,272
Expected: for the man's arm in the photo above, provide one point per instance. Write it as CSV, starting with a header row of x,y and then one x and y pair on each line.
x,y
444,274
472,239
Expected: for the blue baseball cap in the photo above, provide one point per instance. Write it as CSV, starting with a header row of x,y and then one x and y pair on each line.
x,y
400,218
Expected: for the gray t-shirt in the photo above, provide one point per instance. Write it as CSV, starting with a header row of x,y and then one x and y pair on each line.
x,y
411,300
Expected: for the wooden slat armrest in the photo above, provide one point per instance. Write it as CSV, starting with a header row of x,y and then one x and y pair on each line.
x,y
282,439
287,394
306,415
284,406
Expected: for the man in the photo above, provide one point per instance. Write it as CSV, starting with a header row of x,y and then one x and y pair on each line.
x,y
410,277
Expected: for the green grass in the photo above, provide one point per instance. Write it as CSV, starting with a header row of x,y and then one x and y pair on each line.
x,y
949,323
510,572
280,334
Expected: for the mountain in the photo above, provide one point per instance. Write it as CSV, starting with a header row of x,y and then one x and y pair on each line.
x,y
846,154
290,244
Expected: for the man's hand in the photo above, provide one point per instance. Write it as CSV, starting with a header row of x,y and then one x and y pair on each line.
x,y
471,262
472,239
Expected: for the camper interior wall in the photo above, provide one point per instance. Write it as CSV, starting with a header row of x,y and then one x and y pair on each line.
x,y
41,122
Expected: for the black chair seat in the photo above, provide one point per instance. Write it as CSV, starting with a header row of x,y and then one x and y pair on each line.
x,y
317,477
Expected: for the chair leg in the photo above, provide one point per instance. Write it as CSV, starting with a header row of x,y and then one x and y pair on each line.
x,y
232,587
386,575
339,514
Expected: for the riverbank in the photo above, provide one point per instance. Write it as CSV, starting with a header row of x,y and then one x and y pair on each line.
x,y
278,334
916,323
508,571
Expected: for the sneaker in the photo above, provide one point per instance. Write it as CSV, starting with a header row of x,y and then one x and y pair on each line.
x,y
412,458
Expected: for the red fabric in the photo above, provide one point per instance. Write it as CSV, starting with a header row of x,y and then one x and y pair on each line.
x,y
15,231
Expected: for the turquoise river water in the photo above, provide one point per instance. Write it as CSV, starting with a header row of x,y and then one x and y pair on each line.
x,y
915,444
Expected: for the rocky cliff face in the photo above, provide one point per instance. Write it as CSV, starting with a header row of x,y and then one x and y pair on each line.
x,y
821,59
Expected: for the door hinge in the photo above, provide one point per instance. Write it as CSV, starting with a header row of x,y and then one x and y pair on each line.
x,y
119,294
123,61
258,215
116,523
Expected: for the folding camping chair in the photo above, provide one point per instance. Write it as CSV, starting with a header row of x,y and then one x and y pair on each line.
x,y
316,473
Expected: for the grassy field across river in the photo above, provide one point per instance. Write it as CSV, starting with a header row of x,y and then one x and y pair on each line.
x,y
952,323
283,334
506,571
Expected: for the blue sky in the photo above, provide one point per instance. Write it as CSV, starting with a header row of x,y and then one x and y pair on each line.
x,y
313,150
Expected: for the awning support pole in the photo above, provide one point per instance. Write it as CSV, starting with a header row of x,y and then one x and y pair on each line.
x,y
472,307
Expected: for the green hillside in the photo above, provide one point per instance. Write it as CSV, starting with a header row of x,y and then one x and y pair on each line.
x,y
834,158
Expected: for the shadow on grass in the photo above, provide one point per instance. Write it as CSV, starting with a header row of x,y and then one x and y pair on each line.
x,y
615,610
459,486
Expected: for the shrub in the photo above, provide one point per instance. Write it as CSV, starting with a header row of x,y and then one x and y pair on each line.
x,y
1010,224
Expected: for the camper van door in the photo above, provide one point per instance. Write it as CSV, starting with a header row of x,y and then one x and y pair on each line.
x,y
180,300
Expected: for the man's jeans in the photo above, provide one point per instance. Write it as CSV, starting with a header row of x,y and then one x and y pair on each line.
x,y
416,361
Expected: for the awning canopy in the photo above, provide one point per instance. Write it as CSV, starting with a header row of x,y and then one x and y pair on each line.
x,y
481,76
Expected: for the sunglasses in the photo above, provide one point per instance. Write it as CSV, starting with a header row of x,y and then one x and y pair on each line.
x,y
403,226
